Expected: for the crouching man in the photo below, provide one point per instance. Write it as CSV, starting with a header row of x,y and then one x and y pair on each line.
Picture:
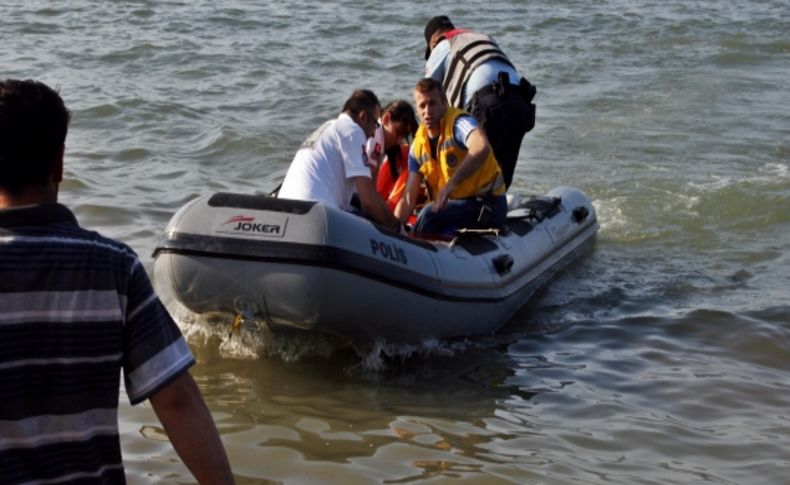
x,y
452,156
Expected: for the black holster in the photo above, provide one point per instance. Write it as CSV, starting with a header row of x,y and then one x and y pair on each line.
x,y
528,90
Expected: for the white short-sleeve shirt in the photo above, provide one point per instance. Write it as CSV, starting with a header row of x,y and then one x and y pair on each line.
x,y
324,167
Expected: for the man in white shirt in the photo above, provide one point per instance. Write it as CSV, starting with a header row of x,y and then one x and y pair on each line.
x,y
332,163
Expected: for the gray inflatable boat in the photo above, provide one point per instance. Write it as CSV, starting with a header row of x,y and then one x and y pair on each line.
x,y
310,267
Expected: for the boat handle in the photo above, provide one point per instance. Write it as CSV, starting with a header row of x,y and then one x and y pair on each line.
x,y
503,264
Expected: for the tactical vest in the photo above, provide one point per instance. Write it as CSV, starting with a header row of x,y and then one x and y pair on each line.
x,y
467,51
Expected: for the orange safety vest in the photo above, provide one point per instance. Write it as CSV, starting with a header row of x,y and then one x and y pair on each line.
x,y
391,188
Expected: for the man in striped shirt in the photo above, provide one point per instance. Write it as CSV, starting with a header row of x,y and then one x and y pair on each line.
x,y
76,310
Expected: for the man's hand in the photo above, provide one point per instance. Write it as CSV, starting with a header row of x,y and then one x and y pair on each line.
x,y
443,196
372,203
190,427
409,198
479,149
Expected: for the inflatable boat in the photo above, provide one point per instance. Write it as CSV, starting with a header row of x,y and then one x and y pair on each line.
x,y
310,267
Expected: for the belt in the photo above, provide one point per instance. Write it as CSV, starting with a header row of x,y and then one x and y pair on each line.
x,y
525,88
495,88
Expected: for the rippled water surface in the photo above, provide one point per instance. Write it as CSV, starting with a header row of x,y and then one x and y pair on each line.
x,y
662,356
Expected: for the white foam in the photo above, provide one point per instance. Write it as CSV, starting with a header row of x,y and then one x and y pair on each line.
x,y
610,214
254,340
768,174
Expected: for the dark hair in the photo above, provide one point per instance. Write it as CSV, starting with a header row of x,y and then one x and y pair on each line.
x,y
33,125
402,112
361,100
394,154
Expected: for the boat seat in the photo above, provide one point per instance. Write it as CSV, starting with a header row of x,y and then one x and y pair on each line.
x,y
474,244
536,209
519,226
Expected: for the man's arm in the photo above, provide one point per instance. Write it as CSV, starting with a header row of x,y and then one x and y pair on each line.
x,y
478,147
409,199
190,427
372,203
436,64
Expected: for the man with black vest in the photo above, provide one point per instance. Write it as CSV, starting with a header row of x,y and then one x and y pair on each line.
x,y
479,78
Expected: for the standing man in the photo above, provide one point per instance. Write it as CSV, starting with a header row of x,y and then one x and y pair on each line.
x,y
451,154
332,163
478,77
76,310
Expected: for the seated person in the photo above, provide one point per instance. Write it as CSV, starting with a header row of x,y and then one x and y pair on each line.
x,y
331,164
397,122
388,150
452,156
392,177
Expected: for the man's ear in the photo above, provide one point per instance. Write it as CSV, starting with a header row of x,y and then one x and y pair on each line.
x,y
57,168
436,37
386,117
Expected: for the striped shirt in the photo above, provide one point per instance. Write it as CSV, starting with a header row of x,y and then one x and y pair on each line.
x,y
76,310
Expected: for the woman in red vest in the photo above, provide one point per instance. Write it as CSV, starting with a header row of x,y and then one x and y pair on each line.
x,y
398,124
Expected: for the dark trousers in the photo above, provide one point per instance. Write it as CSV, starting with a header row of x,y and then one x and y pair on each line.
x,y
462,213
506,115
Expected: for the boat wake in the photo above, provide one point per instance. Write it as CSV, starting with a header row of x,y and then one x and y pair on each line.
x,y
253,340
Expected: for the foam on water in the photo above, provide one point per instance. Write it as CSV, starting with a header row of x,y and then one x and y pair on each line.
x,y
253,340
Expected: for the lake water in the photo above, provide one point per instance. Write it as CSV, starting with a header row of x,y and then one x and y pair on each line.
x,y
660,357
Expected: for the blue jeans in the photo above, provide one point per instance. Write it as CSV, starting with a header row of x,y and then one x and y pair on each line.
x,y
461,213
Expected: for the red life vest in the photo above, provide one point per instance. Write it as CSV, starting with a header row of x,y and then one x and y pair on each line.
x,y
452,33
391,189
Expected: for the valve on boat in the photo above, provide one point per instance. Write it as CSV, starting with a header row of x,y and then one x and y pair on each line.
x,y
580,214
234,327
503,263
246,309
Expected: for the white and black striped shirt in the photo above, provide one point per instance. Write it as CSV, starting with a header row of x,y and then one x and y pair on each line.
x,y
76,310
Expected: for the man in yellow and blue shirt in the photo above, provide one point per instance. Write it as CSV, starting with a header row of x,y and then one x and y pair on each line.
x,y
452,155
